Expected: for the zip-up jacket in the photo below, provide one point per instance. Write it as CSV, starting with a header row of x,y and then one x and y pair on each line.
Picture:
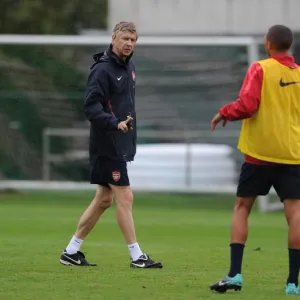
x,y
109,99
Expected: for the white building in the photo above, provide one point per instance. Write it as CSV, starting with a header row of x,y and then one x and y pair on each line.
x,y
205,16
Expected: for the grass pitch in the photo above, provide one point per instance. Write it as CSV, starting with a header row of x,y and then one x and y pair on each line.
x,y
188,233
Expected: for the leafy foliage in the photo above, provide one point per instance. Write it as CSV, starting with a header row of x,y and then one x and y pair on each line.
x,y
51,17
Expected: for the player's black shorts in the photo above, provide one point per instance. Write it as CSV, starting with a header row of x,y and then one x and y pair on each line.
x,y
257,180
106,171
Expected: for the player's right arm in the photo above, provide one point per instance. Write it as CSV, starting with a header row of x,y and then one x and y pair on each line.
x,y
97,92
247,103
249,98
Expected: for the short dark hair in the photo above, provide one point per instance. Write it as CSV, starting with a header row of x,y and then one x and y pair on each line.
x,y
125,26
281,37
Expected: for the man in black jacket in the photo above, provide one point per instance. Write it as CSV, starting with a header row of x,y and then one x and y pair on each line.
x,y
110,108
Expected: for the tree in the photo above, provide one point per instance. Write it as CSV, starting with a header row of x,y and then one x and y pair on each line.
x,y
52,16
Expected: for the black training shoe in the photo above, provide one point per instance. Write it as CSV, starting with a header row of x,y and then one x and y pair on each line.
x,y
228,283
144,262
77,259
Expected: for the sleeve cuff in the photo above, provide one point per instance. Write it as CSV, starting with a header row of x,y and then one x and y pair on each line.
x,y
222,112
115,123
110,123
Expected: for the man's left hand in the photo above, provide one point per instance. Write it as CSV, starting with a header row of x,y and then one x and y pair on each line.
x,y
217,118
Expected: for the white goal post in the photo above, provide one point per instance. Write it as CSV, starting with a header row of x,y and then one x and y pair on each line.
x,y
251,43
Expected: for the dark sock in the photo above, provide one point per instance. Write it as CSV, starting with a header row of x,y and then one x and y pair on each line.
x,y
294,265
236,258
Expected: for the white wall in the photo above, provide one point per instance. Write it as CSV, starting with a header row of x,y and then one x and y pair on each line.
x,y
181,166
205,16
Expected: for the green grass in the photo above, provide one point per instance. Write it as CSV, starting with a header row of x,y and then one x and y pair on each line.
x,y
189,234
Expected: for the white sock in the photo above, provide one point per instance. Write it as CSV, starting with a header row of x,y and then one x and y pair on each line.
x,y
135,251
74,245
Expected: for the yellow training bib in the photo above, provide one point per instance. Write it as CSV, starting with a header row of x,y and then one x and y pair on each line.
x,y
273,133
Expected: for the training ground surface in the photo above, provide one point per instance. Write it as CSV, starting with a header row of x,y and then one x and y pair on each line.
x,y
189,234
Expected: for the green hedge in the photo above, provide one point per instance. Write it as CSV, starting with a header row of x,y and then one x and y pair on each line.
x,y
66,78
9,167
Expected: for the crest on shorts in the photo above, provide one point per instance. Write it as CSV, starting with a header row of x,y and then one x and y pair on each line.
x,y
133,75
116,175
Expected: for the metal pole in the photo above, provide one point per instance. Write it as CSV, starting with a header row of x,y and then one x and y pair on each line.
x,y
253,52
46,152
187,158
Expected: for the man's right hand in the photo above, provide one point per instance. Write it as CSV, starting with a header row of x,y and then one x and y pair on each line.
x,y
125,125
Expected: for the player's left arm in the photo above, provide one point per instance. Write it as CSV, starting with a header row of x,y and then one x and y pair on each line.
x,y
249,98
